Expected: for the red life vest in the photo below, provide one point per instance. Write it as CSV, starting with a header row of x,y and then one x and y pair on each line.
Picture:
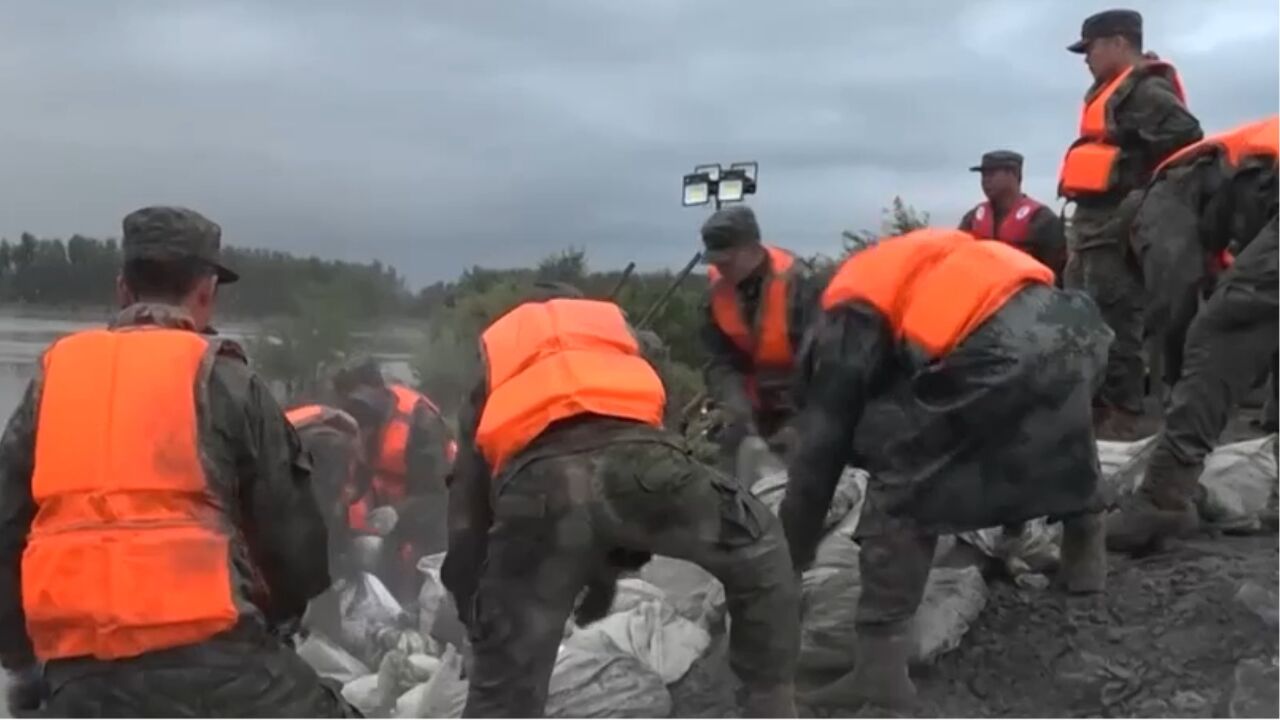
x,y
1015,226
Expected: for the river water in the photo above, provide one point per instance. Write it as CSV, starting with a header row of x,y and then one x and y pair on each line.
x,y
22,339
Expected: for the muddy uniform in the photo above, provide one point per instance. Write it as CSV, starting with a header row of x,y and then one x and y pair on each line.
x,y
257,470
1146,118
1043,239
727,372
588,496
1217,194
954,372
409,449
331,439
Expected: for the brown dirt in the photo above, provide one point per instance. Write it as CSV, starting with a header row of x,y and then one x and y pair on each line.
x,y
1163,641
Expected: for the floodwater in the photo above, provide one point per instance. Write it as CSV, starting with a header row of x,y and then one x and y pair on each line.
x,y
22,339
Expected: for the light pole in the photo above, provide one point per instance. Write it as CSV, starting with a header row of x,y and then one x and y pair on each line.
x,y
710,182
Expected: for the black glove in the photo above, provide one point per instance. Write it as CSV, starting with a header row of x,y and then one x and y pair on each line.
x,y
27,689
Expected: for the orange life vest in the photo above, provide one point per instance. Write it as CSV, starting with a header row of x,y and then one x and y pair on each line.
x,y
129,550
1015,226
306,416
558,359
1260,138
766,339
390,467
1091,162
934,286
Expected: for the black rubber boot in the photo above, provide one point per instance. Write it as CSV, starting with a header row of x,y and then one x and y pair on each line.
x,y
879,677
1083,569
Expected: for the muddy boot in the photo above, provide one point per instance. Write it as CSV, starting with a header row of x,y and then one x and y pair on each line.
x,y
778,701
879,675
1163,508
1083,568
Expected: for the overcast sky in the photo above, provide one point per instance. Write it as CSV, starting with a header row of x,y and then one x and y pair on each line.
x,y
437,135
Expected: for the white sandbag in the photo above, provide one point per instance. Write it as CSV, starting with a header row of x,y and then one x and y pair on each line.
x,y
850,491
633,592
695,593
410,703
1238,480
650,631
1120,475
432,592
329,660
366,606
445,695
953,598
596,685
1034,550
363,693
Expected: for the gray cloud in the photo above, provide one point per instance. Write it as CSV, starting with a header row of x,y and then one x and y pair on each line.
x,y
439,135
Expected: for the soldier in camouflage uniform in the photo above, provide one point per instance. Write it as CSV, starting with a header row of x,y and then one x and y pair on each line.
x,y
755,398
966,413
1216,195
424,461
587,498
257,474
1146,118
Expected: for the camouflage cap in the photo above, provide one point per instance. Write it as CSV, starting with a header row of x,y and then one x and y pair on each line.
x,y
360,371
544,290
998,160
174,233
1106,24
728,228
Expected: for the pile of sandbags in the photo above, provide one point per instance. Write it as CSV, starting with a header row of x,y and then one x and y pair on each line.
x,y
1239,484
619,666
376,650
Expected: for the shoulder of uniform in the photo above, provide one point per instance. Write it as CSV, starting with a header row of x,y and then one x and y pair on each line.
x,y
231,370
233,350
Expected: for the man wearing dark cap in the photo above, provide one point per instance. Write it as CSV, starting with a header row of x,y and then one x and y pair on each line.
x,y
1010,216
157,528
760,303
566,477
410,451
1134,116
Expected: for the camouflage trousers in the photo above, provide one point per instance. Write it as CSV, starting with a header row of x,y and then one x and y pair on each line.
x,y
240,674
1099,265
1231,343
561,514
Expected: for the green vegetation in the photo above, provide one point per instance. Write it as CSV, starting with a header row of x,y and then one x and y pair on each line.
x,y
315,313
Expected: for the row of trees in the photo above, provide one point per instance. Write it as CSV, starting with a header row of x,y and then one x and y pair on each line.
x,y
315,314
81,272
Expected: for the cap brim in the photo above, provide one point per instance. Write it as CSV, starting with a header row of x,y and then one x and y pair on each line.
x,y
976,168
711,257
1079,47
226,276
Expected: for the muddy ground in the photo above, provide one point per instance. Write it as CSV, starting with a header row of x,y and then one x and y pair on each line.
x,y
1164,641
